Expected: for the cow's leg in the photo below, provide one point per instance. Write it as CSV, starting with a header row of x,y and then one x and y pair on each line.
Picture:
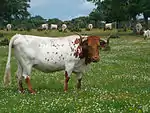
x,y
79,78
19,78
66,81
26,73
68,71
27,80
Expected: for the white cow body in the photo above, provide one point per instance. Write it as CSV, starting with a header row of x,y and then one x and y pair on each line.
x,y
90,26
54,26
146,33
108,26
138,27
50,54
46,54
64,27
45,26
8,27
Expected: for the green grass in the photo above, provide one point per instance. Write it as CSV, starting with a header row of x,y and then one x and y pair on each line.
x,y
119,83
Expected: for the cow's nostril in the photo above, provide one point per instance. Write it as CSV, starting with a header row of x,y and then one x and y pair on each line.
x,y
95,59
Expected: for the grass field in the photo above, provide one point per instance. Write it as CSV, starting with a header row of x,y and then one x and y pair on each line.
x,y
119,83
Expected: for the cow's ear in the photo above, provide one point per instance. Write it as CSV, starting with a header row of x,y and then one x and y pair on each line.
x,y
84,39
108,38
102,43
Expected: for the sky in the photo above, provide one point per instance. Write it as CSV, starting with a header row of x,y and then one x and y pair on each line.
x,y
61,9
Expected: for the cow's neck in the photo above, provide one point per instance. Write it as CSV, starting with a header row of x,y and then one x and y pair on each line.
x,y
84,54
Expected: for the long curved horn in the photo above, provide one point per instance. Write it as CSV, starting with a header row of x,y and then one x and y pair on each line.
x,y
80,37
108,38
78,34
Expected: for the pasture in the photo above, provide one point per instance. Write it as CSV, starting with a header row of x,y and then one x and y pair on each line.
x,y
118,83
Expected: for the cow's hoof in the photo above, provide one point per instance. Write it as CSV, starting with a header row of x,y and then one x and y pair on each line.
x,y
32,92
65,91
21,91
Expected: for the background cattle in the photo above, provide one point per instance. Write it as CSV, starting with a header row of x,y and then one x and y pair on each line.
x,y
8,27
90,26
54,26
44,26
64,27
146,34
108,26
138,28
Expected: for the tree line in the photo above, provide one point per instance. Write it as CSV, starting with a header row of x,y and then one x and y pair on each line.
x,y
16,13
121,10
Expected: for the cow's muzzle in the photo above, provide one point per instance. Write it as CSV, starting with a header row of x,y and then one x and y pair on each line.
x,y
95,59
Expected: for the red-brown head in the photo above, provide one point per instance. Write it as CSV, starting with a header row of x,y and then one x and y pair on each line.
x,y
90,47
93,48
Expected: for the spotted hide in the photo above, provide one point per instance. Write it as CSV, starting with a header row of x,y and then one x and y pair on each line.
x,y
48,54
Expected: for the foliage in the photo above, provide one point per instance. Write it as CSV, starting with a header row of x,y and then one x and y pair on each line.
x,y
75,29
1,35
121,10
36,21
145,5
55,21
4,42
13,9
80,22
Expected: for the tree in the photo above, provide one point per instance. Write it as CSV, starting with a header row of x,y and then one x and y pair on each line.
x,y
95,18
145,5
80,22
37,21
109,10
121,10
55,21
14,9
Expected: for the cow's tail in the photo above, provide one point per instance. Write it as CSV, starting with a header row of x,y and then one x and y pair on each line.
x,y
7,75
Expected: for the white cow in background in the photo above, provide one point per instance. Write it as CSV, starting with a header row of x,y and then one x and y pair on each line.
x,y
45,26
64,27
108,26
146,34
138,27
54,26
90,26
8,27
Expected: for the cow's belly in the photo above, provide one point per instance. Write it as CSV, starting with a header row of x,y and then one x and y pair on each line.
x,y
47,64
49,67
